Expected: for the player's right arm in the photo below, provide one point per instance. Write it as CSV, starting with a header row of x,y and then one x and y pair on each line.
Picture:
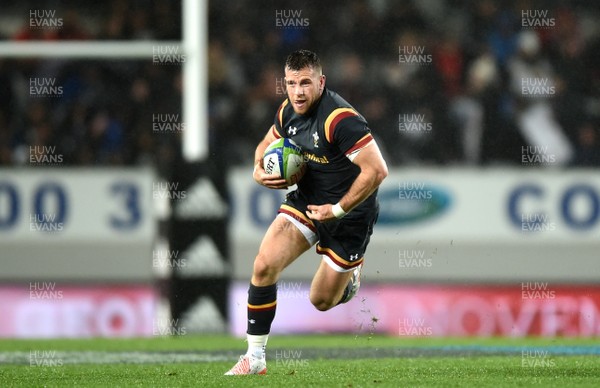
x,y
260,176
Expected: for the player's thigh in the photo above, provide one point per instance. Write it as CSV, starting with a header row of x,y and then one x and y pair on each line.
x,y
328,284
281,245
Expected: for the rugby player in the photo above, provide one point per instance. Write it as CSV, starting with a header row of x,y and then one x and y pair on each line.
x,y
335,205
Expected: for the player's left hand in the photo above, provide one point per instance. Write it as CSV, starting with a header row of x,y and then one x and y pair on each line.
x,y
321,213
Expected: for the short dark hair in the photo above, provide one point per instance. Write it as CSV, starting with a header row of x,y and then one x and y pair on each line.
x,y
303,58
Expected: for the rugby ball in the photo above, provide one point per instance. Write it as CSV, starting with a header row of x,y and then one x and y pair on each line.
x,y
284,157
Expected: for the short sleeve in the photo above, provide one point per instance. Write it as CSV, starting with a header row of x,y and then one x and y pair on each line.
x,y
348,130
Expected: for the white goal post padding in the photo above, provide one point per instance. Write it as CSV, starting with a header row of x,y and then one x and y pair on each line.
x,y
83,49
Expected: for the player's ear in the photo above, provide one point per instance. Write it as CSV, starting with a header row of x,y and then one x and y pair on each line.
x,y
322,82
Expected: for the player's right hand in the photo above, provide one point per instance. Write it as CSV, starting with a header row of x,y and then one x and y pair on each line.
x,y
271,181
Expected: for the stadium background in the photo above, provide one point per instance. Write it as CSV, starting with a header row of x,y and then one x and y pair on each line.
x,y
490,218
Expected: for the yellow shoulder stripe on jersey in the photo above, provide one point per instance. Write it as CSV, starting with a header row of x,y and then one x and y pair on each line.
x,y
280,112
335,117
275,132
362,142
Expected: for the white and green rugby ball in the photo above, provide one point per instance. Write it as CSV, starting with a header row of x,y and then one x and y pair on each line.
x,y
283,157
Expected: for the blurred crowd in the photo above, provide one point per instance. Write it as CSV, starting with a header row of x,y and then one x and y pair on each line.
x,y
472,95
96,112
441,82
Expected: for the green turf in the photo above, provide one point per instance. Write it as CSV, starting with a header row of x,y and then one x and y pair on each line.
x,y
496,371
412,372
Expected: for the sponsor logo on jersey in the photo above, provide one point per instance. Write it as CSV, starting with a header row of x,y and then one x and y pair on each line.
x,y
314,158
316,139
292,131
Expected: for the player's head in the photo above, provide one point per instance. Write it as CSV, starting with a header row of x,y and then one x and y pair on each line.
x,y
304,80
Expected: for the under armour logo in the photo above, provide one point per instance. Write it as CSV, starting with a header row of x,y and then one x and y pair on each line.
x,y
252,321
292,130
316,139
354,257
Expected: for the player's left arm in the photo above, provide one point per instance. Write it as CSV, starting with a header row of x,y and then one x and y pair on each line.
x,y
373,171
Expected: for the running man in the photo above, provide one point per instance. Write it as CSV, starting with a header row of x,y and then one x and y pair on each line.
x,y
335,205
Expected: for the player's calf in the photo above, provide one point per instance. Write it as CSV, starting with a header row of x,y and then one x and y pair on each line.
x,y
331,287
353,285
324,302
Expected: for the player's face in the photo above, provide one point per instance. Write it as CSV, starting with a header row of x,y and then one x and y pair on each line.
x,y
304,87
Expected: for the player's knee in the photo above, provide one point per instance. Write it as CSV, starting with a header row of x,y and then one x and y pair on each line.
x,y
264,271
321,303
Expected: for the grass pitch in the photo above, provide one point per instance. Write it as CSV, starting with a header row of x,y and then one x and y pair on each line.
x,y
303,361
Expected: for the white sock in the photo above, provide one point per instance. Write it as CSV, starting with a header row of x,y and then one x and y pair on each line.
x,y
257,345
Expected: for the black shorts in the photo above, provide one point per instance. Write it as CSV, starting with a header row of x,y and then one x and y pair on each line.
x,y
342,242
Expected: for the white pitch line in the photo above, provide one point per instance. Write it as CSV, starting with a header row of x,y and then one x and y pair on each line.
x,y
50,357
